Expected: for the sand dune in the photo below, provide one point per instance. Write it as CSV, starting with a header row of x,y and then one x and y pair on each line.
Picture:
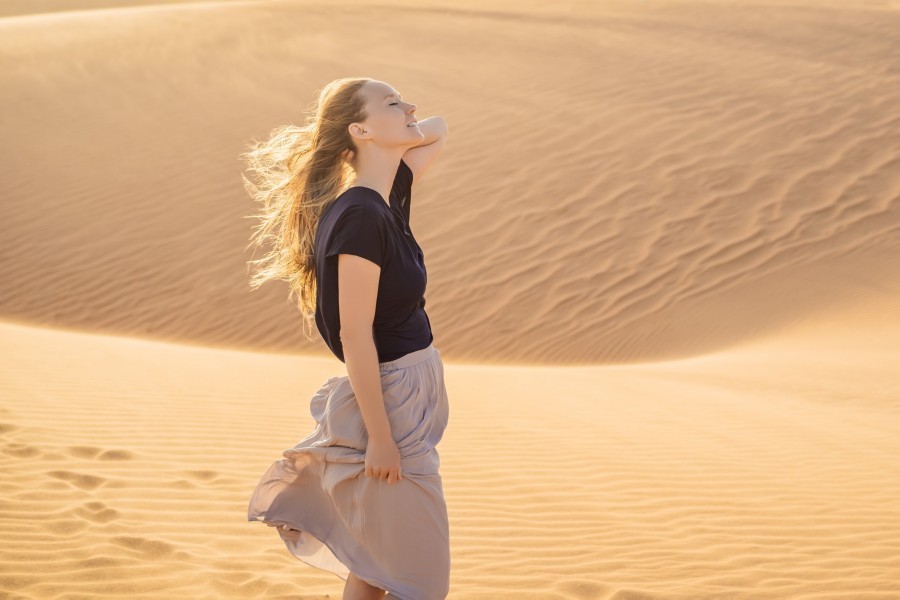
x,y
644,190
663,266
763,472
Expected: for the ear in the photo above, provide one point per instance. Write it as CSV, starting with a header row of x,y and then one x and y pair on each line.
x,y
356,130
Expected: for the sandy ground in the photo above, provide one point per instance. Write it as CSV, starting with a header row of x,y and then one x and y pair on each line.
x,y
664,275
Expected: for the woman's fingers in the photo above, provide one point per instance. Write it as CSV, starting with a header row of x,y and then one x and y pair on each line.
x,y
397,474
393,474
383,461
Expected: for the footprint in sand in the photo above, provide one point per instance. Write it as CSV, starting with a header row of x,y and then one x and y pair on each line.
x,y
203,474
147,548
6,428
100,453
117,455
97,512
85,451
20,450
79,480
63,527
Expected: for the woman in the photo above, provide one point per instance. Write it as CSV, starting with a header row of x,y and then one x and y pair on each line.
x,y
361,496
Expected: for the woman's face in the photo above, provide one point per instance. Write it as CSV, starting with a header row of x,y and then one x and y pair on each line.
x,y
388,123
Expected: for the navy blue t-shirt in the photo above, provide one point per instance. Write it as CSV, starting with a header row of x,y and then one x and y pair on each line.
x,y
360,222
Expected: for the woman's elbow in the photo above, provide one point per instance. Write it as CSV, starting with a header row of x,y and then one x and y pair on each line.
x,y
354,334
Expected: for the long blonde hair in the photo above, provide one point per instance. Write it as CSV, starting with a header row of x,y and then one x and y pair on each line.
x,y
300,171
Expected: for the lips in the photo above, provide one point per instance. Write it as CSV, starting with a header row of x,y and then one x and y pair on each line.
x,y
413,124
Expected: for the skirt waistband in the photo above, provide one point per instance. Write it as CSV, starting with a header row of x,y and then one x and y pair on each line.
x,y
410,359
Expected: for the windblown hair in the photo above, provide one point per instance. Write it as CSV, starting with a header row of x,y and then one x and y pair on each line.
x,y
299,172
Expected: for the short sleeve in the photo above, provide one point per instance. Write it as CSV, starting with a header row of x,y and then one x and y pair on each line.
x,y
402,186
359,231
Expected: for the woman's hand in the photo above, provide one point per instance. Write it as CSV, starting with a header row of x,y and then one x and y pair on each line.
x,y
383,460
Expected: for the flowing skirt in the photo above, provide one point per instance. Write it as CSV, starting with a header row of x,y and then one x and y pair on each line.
x,y
332,516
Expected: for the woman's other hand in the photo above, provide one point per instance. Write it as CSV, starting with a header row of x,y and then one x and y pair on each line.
x,y
383,460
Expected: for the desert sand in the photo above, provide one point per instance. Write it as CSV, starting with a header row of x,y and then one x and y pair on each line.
x,y
663,246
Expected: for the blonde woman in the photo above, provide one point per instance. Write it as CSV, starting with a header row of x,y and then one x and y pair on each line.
x,y
361,496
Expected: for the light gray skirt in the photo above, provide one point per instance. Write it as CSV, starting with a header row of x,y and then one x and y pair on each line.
x,y
330,515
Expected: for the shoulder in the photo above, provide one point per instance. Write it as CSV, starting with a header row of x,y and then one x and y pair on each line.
x,y
359,209
357,226
355,203
355,195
